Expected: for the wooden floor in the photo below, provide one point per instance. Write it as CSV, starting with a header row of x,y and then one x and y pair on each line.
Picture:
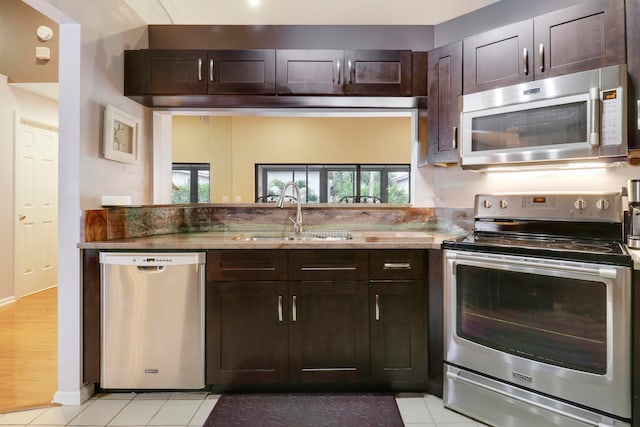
x,y
28,351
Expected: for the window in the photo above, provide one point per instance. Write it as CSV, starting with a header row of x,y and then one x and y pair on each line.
x,y
336,183
190,183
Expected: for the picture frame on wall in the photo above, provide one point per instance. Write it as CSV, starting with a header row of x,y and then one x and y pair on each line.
x,y
121,136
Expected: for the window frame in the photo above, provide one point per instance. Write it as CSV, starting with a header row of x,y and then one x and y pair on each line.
x,y
262,170
193,169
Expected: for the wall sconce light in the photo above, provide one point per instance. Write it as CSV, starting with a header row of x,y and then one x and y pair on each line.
x,y
44,33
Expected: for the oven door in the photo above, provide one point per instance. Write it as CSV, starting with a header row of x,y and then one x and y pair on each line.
x,y
561,328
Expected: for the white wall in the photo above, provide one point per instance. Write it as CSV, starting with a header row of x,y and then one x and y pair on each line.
x,y
454,187
40,109
93,36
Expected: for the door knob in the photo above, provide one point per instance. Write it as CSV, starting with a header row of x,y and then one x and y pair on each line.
x,y
22,217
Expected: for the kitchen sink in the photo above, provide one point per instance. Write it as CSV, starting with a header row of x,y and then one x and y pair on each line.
x,y
289,236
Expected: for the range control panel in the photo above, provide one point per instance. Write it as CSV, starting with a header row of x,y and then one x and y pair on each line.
x,y
600,207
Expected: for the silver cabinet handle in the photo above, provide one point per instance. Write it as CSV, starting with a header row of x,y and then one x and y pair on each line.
x,y
279,308
338,67
294,309
454,139
525,61
541,48
377,307
397,266
199,69
328,269
349,71
211,70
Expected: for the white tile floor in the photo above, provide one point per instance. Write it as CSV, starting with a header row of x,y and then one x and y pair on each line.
x,y
192,409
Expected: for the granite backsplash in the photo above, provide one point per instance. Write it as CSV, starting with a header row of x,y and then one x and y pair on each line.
x,y
127,222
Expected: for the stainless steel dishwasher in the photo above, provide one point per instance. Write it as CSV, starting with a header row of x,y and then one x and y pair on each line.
x,y
152,320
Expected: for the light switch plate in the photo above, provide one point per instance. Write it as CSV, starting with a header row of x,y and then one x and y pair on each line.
x,y
43,53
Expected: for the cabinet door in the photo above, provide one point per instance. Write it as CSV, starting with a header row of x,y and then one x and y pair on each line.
x,y
231,265
398,338
328,332
309,72
377,72
91,321
585,36
444,88
329,264
242,72
499,57
246,333
157,72
633,64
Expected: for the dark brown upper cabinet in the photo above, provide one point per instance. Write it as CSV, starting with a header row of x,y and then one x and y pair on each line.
x,y
309,72
444,88
633,68
199,72
337,72
585,36
499,57
578,38
378,72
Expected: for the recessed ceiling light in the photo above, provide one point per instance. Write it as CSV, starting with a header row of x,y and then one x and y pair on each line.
x,y
254,3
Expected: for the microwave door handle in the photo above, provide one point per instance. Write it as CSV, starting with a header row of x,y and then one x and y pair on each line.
x,y
594,122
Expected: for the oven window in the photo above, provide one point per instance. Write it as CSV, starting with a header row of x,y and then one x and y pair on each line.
x,y
558,124
554,320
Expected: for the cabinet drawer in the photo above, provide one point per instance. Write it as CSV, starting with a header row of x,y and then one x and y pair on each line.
x,y
397,264
246,264
329,264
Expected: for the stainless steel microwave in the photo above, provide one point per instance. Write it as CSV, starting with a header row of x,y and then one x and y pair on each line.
x,y
575,117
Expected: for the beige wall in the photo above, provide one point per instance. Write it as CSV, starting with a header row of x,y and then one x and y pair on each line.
x,y
233,145
18,41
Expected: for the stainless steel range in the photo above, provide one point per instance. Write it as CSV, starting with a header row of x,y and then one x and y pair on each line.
x,y
538,312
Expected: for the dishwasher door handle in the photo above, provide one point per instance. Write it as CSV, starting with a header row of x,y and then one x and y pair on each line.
x,y
151,268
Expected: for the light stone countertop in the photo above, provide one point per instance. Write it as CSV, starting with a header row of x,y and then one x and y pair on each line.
x,y
240,240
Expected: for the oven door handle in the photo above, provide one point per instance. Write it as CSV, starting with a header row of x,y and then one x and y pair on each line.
x,y
608,273
458,376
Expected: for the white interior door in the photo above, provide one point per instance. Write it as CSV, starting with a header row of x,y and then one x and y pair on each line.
x,y
36,204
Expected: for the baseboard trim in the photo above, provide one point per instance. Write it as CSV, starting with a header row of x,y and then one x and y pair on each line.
x,y
7,301
74,398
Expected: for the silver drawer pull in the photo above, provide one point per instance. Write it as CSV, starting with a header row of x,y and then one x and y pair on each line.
x,y
541,52
294,309
327,268
211,70
397,266
199,69
525,61
279,308
377,306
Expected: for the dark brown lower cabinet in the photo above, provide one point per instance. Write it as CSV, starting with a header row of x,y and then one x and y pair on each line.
x,y
398,352
328,332
316,318
246,333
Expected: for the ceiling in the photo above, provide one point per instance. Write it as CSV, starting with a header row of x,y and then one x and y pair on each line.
x,y
302,12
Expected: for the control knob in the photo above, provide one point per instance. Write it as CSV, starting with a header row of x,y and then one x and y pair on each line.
x,y
602,204
580,204
486,203
504,204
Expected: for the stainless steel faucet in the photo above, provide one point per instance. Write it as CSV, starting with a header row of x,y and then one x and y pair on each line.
x,y
297,223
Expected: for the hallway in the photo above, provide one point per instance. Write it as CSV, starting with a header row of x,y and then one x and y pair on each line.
x,y
28,351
